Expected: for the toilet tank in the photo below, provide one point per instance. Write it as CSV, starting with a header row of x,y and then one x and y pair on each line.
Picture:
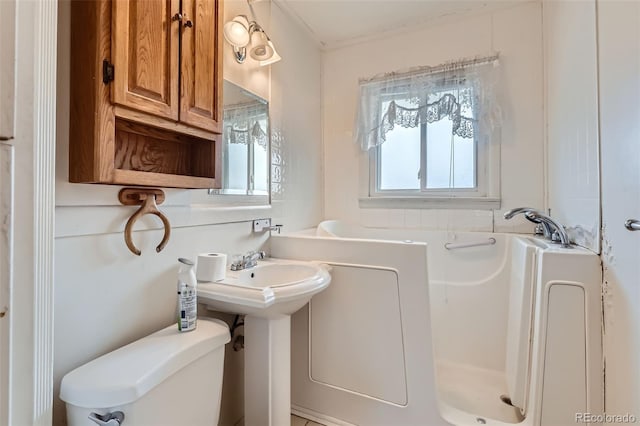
x,y
167,378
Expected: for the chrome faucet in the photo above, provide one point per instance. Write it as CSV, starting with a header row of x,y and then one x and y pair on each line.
x,y
551,229
261,225
247,261
532,215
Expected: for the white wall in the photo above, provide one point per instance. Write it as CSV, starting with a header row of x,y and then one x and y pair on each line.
x,y
105,296
296,87
295,112
572,118
516,34
619,75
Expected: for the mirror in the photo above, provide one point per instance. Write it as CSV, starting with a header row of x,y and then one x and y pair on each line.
x,y
245,142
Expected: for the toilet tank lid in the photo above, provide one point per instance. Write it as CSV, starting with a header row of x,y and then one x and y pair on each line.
x,y
126,374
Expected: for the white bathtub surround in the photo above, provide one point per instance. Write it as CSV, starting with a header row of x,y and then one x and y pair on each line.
x,y
571,109
553,301
350,361
519,318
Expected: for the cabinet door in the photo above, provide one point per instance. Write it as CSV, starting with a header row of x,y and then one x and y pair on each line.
x,y
145,42
201,65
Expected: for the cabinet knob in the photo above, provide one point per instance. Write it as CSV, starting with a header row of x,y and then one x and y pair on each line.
x,y
188,24
177,17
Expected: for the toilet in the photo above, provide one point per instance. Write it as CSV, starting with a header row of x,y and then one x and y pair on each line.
x,y
167,378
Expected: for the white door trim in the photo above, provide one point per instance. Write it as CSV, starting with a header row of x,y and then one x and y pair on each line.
x,y
6,262
45,86
31,336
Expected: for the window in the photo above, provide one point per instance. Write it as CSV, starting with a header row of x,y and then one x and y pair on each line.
x,y
245,143
430,136
246,160
245,155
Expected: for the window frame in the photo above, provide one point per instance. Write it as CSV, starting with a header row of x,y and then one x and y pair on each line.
x,y
485,194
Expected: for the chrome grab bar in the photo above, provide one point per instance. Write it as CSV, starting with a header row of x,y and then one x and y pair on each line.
x,y
453,246
632,225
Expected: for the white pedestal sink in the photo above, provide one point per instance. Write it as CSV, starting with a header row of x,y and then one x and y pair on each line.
x,y
267,295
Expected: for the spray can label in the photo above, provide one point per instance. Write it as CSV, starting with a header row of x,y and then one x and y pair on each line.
x,y
187,307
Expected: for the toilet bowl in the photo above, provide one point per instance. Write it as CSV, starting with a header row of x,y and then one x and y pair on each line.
x,y
167,378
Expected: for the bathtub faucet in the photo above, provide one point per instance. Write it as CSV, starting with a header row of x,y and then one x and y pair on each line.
x,y
532,215
551,229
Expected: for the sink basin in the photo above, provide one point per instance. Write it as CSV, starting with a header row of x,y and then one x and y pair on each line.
x,y
277,274
273,288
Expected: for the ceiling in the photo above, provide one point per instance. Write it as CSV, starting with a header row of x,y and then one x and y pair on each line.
x,y
336,23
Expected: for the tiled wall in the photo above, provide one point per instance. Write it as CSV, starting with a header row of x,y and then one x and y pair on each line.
x,y
296,124
572,118
461,220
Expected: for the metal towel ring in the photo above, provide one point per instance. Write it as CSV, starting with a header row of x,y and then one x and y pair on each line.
x,y
149,200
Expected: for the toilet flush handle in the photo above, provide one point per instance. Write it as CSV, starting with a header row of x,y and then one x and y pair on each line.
x,y
110,419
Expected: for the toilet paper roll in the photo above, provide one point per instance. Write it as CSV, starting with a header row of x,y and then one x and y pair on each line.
x,y
211,267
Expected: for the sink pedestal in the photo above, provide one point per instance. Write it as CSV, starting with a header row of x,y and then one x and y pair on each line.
x,y
267,371
266,295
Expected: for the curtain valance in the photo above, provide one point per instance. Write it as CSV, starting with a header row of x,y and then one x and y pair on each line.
x,y
246,123
464,91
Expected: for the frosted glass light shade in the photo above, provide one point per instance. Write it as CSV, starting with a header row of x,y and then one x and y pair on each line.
x,y
261,49
274,58
236,31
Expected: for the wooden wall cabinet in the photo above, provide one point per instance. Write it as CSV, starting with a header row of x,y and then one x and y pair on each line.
x,y
146,92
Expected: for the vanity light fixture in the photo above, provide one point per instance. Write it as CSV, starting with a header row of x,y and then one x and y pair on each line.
x,y
243,34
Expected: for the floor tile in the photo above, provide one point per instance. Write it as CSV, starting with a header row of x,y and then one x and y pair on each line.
x,y
298,421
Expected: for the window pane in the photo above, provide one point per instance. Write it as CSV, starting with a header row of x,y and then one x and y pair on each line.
x,y
237,166
400,159
450,159
439,154
464,170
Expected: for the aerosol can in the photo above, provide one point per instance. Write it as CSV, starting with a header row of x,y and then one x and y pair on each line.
x,y
187,297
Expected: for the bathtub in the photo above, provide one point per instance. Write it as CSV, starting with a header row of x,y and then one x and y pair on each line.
x,y
434,328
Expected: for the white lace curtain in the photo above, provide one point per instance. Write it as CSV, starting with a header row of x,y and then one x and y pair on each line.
x,y
463,91
246,123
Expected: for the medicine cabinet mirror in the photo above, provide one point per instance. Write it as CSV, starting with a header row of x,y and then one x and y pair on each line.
x,y
246,147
